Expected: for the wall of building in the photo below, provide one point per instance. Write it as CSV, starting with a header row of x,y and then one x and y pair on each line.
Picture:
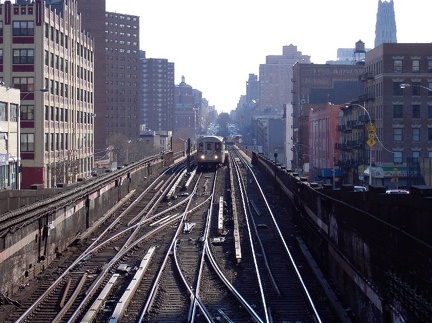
x,y
9,138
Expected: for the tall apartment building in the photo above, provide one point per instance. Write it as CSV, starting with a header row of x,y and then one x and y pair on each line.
x,y
157,94
398,99
49,58
252,89
275,80
118,86
385,28
274,95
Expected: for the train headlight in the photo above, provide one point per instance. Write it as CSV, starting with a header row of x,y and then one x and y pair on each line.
x,y
216,157
202,157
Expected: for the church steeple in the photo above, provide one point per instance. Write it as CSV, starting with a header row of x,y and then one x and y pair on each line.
x,y
385,29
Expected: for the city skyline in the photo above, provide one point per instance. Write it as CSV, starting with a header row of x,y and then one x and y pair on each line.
x,y
217,45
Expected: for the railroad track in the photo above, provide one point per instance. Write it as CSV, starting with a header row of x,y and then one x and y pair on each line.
x,y
217,251
292,291
114,242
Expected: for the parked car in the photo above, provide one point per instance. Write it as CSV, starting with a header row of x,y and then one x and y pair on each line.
x,y
397,191
360,189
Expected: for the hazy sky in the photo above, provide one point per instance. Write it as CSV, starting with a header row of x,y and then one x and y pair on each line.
x,y
216,44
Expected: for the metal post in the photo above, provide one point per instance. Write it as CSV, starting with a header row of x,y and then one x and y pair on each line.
x,y
370,166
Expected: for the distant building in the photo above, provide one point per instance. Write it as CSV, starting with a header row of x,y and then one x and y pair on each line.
x,y
270,136
186,111
117,95
350,56
275,85
158,93
318,84
158,141
252,89
275,80
385,29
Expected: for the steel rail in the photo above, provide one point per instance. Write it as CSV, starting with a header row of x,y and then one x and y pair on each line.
x,y
305,289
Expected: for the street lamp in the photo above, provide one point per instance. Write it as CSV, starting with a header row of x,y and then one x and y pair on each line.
x,y
405,85
371,138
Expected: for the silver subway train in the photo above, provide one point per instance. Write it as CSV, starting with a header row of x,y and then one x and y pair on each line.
x,y
211,152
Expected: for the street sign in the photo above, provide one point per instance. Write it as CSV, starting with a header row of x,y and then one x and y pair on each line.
x,y
371,135
371,127
371,142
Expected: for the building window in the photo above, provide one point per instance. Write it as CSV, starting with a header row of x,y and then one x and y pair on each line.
x,y
429,111
23,56
397,90
1,28
46,58
23,28
430,66
397,134
25,84
27,112
429,134
397,66
416,134
27,142
3,111
13,112
416,66
1,56
398,111
416,154
416,111
415,88
397,157
46,143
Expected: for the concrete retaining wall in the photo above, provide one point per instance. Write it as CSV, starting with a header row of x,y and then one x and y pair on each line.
x,y
29,248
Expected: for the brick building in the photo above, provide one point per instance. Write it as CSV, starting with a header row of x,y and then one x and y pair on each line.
x,y
318,84
118,104
397,97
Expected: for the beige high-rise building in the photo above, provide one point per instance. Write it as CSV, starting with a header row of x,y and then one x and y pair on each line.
x,y
49,58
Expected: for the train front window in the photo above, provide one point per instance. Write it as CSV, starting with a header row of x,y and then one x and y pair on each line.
x,y
209,146
217,146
